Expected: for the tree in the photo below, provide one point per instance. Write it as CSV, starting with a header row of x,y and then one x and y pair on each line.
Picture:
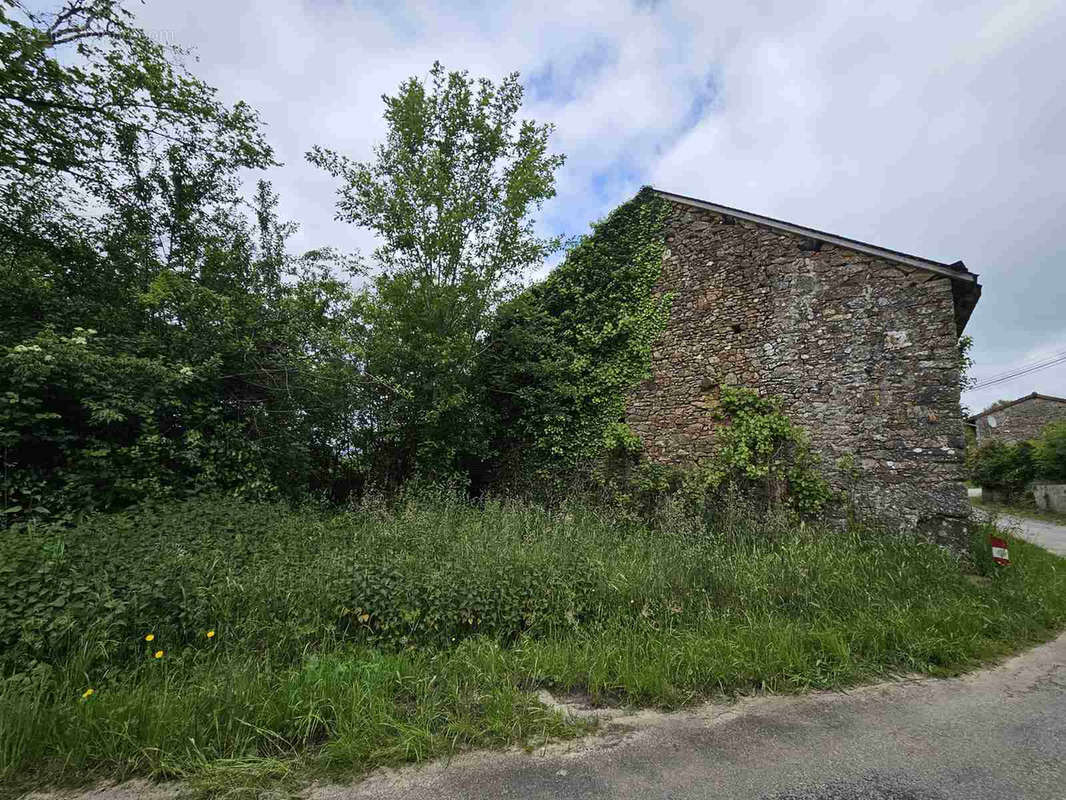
x,y
237,378
82,85
156,337
114,162
451,196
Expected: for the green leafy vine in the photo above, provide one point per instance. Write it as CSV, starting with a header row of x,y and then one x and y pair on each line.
x,y
563,354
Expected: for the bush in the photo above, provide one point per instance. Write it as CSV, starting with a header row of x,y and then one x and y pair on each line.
x,y
1009,468
1049,453
1004,468
84,425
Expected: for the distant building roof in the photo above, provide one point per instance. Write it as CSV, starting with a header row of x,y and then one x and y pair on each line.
x,y
1033,396
965,288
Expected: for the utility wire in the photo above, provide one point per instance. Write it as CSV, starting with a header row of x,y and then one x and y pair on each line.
x,y
1022,372
1019,372
1021,367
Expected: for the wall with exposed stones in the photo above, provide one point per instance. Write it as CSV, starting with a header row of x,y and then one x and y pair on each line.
x,y
1021,420
1050,497
861,350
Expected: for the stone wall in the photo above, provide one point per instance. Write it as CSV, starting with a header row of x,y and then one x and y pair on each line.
x,y
1021,420
1050,497
860,349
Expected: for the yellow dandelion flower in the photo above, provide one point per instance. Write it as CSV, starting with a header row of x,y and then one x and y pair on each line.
x,y
210,634
364,617
150,637
158,653
87,694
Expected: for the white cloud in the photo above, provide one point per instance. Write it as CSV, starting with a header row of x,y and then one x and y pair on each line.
x,y
934,128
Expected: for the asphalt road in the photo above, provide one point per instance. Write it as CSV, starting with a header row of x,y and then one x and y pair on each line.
x,y
1045,534
998,733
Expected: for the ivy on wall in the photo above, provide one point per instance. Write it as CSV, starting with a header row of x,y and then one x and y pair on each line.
x,y
758,453
562,355
758,446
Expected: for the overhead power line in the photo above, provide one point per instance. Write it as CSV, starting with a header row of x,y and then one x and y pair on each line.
x,y
1021,371
1019,374
1020,367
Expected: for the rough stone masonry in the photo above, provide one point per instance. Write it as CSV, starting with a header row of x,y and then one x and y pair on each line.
x,y
1018,420
858,341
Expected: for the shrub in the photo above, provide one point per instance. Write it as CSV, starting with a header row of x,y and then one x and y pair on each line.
x,y
1009,468
1049,453
1002,467
84,425
759,447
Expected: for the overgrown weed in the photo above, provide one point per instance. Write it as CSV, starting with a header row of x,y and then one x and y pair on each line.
x,y
406,631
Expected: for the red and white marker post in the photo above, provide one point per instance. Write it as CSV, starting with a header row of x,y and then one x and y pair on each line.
x,y
999,550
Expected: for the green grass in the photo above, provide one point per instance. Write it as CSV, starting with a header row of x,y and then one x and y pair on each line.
x,y
1021,511
383,636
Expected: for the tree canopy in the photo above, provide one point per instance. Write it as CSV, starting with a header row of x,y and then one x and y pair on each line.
x,y
451,195
157,337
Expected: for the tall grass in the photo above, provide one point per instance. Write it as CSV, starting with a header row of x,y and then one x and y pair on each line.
x,y
344,641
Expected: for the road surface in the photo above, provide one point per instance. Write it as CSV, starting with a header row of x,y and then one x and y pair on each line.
x,y
1045,534
998,733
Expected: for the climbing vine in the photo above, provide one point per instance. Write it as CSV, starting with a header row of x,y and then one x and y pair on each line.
x,y
757,445
757,452
562,355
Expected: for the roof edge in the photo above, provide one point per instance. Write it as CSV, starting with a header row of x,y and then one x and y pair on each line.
x,y
956,271
1030,396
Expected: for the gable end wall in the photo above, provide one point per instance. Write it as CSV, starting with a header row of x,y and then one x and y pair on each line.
x,y
1021,421
860,349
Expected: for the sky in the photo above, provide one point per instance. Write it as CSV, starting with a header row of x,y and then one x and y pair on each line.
x,y
938,129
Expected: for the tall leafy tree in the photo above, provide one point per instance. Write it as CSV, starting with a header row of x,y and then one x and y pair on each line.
x,y
112,158
82,84
451,195
156,336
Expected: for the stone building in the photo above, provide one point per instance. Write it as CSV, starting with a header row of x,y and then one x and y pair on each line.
x,y
859,341
1019,419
